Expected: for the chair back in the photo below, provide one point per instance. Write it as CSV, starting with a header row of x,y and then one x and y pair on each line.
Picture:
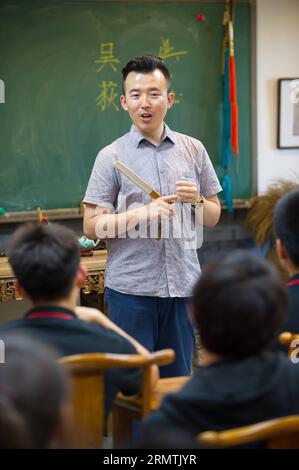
x,y
279,433
291,340
87,380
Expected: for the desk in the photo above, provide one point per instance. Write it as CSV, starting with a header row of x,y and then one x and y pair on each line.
x,y
94,282
128,409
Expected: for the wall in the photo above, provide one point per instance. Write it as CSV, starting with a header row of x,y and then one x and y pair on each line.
x,y
277,56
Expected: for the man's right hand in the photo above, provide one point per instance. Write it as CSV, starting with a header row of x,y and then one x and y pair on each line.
x,y
98,223
161,208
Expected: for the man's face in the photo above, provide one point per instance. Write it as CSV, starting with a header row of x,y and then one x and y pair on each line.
x,y
147,100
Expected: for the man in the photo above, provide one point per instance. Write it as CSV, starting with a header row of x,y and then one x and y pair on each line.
x,y
238,306
45,260
149,278
286,227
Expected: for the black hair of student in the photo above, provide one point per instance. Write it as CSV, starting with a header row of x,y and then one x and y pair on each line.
x,y
33,388
45,260
146,64
239,305
286,223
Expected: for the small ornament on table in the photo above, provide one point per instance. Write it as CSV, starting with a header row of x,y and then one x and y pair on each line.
x,y
87,246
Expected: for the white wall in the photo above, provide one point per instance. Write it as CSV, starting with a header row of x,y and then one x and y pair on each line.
x,y
277,48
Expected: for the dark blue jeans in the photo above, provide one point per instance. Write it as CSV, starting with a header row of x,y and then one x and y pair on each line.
x,y
157,323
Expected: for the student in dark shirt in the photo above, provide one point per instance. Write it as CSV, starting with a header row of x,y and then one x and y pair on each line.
x,y
45,260
286,227
34,396
239,304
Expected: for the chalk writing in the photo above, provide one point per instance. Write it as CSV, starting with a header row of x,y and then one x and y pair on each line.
x,y
107,97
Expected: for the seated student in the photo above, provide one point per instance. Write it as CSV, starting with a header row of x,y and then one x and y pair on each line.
x,y
34,407
45,260
286,227
239,304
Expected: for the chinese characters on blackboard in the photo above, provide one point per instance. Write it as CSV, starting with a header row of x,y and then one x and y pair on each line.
x,y
107,64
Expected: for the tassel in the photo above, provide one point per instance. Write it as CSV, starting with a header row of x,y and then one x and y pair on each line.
x,y
234,128
227,190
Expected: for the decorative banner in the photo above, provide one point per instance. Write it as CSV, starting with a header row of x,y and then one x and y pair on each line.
x,y
230,105
233,91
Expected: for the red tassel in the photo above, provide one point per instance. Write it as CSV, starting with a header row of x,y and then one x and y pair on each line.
x,y
232,80
233,105
234,128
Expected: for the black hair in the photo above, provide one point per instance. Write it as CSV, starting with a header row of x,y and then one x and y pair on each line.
x,y
286,223
146,64
45,260
32,389
239,305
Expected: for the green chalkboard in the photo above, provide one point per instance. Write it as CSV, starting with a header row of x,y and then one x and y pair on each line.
x,y
56,59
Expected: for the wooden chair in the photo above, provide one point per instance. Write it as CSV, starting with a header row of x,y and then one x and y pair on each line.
x,y
291,340
128,410
87,379
279,433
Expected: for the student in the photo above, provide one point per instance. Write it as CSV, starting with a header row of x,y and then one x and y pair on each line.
x,y
238,306
45,260
286,227
34,406
148,280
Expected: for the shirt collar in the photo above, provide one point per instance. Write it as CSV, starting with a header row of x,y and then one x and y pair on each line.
x,y
48,310
293,278
137,137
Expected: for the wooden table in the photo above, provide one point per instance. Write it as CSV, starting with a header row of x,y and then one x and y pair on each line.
x,y
94,282
127,409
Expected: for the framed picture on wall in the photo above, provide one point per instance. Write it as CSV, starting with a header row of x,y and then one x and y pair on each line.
x,y
288,113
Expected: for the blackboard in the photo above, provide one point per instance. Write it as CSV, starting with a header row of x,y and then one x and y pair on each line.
x,y
61,65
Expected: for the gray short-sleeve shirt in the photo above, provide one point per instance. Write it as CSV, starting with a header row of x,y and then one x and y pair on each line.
x,y
149,266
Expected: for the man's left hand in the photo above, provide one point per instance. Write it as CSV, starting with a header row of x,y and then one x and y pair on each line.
x,y
187,191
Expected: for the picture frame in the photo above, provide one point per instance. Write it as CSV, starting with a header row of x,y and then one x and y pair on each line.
x,y
288,113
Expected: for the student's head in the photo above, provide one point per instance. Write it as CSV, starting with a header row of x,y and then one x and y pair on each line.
x,y
45,260
239,303
33,395
146,92
286,228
